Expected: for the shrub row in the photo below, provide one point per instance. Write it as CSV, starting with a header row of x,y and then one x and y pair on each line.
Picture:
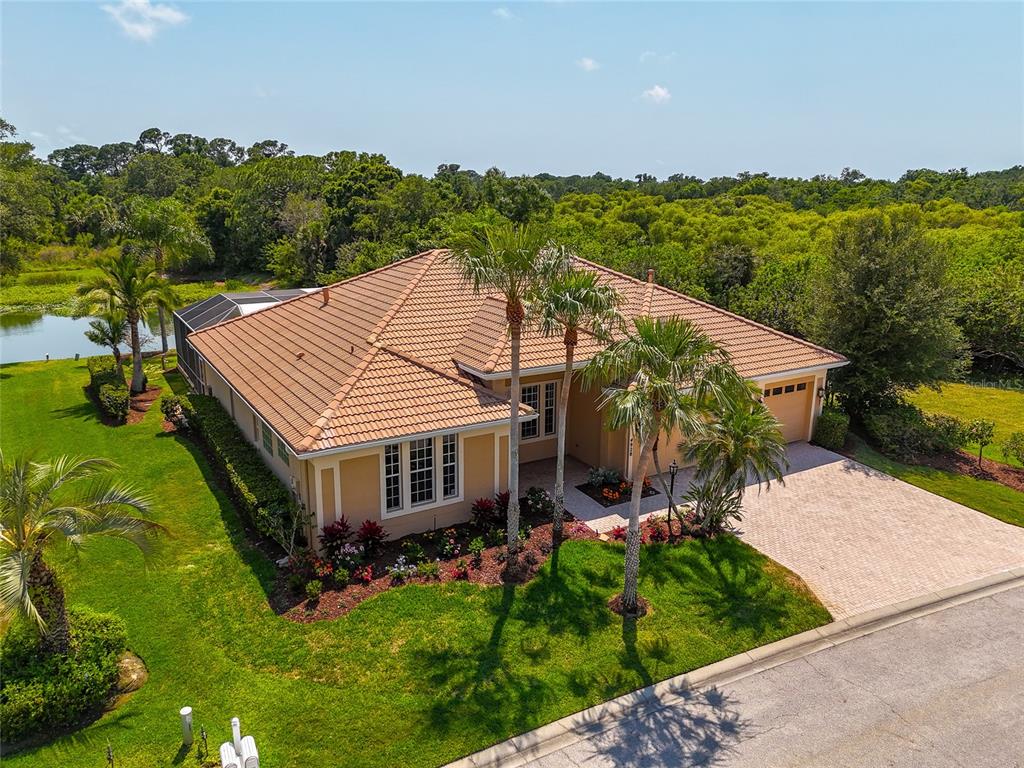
x,y
261,495
41,693
106,380
831,428
904,431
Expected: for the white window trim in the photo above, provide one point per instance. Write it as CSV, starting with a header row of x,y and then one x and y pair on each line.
x,y
407,507
539,416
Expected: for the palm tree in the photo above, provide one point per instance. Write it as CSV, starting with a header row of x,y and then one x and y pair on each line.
x,y
39,509
570,300
665,375
135,288
744,441
506,259
109,329
165,229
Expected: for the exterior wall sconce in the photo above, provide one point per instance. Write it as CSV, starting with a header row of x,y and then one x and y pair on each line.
x,y
821,393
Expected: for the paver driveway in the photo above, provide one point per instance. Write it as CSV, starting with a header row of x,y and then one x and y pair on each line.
x,y
862,539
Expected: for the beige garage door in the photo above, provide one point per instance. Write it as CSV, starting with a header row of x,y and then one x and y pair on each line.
x,y
790,401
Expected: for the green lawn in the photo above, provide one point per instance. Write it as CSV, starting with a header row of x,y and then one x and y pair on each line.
x,y
968,402
986,496
414,677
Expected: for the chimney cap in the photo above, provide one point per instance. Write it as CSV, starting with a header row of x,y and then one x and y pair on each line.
x,y
326,293
650,275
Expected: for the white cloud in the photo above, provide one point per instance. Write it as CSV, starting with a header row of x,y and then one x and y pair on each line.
x,y
587,64
141,19
67,133
646,56
657,94
662,58
504,14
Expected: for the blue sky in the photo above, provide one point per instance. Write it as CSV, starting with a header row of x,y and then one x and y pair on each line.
x,y
563,87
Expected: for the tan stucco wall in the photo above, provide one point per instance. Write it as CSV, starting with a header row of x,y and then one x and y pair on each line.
x,y
503,458
478,467
541,447
360,488
330,510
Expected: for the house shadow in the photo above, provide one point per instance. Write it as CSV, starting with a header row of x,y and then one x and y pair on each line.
x,y
701,729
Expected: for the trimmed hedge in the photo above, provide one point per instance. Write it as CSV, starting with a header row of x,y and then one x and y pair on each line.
x,y
42,693
904,431
830,431
107,383
262,496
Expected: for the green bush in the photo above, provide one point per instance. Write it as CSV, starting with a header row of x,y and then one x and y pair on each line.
x,y
314,589
1013,447
830,431
263,498
114,401
904,431
41,693
178,410
103,370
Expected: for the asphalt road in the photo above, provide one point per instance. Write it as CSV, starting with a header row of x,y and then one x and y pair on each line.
x,y
943,690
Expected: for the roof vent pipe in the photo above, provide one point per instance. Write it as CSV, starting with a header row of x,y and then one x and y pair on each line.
x,y
326,293
650,275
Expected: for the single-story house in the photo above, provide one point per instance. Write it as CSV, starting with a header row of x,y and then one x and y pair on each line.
x,y
384,396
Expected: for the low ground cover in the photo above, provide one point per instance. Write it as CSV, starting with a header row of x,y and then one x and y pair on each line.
x,y
1004,407
415,676
992,498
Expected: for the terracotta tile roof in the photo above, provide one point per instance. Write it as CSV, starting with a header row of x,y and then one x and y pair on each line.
x,y
380,359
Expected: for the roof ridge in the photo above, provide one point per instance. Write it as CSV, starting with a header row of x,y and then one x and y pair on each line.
x,y
382,324
320,424
499,344
314,292
741,318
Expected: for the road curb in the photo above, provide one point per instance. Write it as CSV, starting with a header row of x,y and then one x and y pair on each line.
x,y
568,730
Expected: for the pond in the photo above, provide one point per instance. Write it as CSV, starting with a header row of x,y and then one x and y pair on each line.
x,y
33,335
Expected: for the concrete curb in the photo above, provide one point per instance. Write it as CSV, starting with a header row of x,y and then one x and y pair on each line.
x,y
552,737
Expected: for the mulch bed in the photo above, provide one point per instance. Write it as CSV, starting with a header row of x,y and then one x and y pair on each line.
x,y
963,463
597,494
141,403
338,600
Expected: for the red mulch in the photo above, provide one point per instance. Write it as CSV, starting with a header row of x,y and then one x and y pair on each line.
x,y
597,494
642,608
141,403
964,463
337,601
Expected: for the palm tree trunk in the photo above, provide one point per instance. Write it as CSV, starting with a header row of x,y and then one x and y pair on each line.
x,y
515,330
117,362
158,260
630,587
48,598
563,407
138,382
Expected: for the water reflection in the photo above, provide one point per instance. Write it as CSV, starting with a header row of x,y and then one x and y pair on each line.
x,y
33,335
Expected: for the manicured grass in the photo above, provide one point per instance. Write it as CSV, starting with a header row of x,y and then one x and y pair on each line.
x,y
414,677
1005,407
986,496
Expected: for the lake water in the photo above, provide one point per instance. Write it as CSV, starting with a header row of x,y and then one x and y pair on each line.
x,y
33,336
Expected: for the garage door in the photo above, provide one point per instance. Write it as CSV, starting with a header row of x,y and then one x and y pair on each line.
x,y
790,401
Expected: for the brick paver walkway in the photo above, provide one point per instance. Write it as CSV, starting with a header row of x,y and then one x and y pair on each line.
x,y
859,538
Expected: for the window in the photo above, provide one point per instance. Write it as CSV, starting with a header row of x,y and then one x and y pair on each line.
x,y
777,391
790,388
767,393
549,408
393,476
421,470
268,438
801,386
531,397
449,466
282,450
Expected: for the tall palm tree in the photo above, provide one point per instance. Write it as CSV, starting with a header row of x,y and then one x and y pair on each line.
x,y
170,233
664,375
38,509
110,329
135,288
572,299
506,259
743,441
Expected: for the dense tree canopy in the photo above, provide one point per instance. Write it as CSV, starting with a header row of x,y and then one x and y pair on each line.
x,y
751,243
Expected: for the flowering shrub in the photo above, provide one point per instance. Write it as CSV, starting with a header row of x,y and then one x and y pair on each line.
x,y
363,574
323,569
618,533
450,546
540,502
611,494
371,535
349,556
657,532
461,570
401,570
334,536
599,476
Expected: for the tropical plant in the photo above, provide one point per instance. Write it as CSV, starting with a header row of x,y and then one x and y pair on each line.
x,y
133,287
169,232
507,259
665,375
569,300
743,441
110,329
43,503
981,431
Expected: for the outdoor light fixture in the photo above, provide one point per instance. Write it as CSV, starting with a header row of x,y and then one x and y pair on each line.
x,y
821,393
673,470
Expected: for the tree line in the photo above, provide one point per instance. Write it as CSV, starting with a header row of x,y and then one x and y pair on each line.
x,y
753,243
